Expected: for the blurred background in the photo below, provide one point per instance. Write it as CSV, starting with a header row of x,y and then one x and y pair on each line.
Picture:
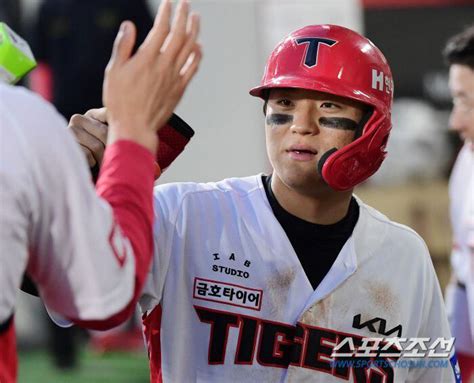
x,y
72,41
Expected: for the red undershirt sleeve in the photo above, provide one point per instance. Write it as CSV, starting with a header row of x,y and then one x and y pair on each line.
x,y
126,182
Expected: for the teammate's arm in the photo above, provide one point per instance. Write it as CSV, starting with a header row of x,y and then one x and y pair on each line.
x,y
140,92
168,59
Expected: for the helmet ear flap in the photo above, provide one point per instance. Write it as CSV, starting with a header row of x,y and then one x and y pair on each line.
x,y
335,164
344,168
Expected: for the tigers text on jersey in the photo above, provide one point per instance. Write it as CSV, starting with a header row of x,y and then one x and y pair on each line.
x,y
228,300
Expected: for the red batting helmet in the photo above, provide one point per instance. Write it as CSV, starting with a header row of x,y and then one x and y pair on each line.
x,y
337,60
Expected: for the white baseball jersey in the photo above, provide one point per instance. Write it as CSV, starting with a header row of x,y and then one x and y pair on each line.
x,y
461,299
227,299
53,224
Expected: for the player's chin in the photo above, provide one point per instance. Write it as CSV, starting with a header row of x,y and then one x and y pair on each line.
x,y
300,175
301,169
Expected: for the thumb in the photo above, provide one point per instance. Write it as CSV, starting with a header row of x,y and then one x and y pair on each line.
x,y
124,43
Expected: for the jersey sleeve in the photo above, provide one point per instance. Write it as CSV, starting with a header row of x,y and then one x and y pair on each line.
x,y
14,217
168,228
82,248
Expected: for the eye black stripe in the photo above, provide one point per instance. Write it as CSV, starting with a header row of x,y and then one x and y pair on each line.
x,y
338,123
279,119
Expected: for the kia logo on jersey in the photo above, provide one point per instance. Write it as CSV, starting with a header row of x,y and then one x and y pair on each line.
x,y
311,53
370,324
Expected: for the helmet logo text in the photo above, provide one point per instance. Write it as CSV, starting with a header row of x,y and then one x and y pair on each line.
x,y
311,54
381,81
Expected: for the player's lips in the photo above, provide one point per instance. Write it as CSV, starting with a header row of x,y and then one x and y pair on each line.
x,y
302,152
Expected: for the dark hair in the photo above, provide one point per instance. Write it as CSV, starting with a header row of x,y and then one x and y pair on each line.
x,y
265,96
460,48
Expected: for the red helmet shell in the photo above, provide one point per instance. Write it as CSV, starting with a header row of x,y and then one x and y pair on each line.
x,y
339,61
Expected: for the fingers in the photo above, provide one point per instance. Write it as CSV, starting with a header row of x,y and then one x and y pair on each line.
x,y
123,44
92,147
177,37
190,43
141,94
99,114
160,29
191,66
173,45
93,126
91,135
91,161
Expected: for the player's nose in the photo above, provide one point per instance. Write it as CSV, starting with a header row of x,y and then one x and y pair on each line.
x,y
306,119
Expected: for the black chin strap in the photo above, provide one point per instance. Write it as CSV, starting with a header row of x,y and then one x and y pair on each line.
x,y
323,159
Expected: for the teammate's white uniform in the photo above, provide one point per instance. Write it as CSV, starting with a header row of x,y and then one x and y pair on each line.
x,y
53,224
460,297
227,292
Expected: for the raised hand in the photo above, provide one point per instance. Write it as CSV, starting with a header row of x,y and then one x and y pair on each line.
x,y
141,91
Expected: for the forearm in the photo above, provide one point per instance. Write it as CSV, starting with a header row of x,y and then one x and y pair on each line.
x,y
125,182
99,253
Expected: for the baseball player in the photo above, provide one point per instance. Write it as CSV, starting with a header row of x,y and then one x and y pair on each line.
x,y
286,277
459,54
88,253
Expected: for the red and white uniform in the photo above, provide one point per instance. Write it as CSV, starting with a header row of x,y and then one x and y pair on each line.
x,y
460,295
227,299
88,255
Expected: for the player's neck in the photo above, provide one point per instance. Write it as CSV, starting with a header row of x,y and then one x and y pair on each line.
x,y
324,209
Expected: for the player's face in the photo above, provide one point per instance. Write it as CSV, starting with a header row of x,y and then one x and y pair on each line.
x,y
461,84
302,125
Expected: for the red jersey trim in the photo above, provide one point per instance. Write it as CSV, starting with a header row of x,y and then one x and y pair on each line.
x,y
8,356
151,329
